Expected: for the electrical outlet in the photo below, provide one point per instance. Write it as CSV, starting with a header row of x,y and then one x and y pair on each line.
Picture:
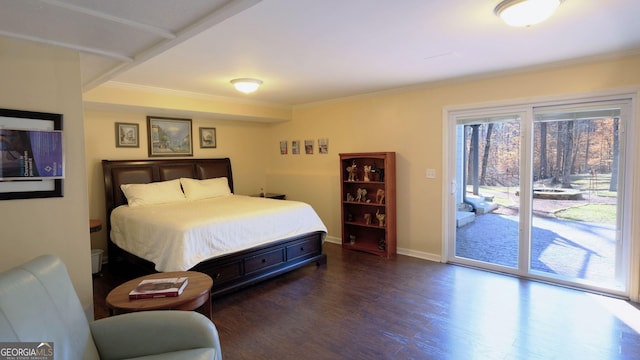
x,y
431,173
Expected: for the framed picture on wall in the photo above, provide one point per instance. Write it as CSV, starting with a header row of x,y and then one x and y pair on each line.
x,y
308,147
127,135
323,146
169,136
32,153
207,137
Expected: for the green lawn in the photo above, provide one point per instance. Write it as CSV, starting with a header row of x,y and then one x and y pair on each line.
x,y
598,213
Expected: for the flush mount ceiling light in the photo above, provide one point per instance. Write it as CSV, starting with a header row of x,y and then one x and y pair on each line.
x,y
526,12
246,85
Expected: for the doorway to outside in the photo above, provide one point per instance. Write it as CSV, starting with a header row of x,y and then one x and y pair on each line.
x,y
539,192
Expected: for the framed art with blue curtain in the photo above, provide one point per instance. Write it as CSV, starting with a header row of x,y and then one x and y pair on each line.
x,y
32,155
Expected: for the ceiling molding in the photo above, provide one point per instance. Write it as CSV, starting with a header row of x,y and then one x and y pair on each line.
x,y
149,110
479,77
191,95
122,96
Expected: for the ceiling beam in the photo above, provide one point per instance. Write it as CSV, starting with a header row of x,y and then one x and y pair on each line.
x,y
94,51
102,15
226,11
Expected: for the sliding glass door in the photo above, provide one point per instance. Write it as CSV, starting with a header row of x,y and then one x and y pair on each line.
x,y
489,184
577,184
539,190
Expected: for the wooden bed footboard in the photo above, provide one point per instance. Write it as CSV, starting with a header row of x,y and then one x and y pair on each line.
x,y
241,269
244,268
229,272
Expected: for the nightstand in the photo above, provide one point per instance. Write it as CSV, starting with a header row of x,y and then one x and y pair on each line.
x,y
95,225
272,196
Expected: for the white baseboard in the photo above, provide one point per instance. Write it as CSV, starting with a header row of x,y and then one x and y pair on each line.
x,y
333,240
420,254
401,251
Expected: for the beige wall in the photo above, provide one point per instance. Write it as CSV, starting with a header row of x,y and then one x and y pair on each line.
x,y
241,141
46,79
407,121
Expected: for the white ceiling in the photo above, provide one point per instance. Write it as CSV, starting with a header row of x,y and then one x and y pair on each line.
x,y
313,50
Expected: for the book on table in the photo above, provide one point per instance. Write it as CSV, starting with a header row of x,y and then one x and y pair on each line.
x,y
155,288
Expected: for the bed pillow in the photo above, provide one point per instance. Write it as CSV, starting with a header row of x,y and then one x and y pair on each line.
x,y
203,189
153,193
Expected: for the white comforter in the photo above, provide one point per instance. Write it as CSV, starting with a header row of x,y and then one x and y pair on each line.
x,y
177,236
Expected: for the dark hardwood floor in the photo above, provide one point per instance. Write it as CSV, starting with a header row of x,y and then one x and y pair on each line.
x,y
361,306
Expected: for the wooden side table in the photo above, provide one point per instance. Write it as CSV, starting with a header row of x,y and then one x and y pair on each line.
x,y
95,225
196,296
272,196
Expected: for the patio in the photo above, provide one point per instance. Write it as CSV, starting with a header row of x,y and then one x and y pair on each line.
x,y
572,249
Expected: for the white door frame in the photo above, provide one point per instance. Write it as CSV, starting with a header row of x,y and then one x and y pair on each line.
x,y
631,165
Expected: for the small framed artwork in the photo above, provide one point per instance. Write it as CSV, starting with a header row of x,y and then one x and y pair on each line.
x,y
308,147
295,147
127,135
32,155
169,136
323,146
207,137
284,147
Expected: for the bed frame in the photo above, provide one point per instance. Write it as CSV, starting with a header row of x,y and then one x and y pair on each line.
x,y
229,272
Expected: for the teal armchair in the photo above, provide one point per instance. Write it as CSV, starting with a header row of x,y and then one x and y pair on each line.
x,y
39,304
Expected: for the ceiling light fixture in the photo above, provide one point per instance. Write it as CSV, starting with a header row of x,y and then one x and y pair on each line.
x,y
526,12
246,85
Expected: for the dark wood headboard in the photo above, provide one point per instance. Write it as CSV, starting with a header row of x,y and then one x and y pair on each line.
x,y
118,172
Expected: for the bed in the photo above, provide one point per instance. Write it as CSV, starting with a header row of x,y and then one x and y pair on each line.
x,y
285,236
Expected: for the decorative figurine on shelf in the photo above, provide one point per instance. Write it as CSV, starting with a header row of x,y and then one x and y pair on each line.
x,y
374,173
352,171
361,194
367,218
367,173
382,245
352,239
349,217
350,197
380,218
380,196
